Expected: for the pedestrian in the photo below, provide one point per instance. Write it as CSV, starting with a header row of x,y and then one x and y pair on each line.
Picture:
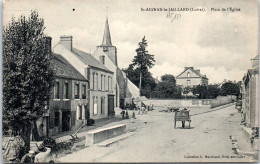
x,y
133,115
184,111
43,155
169,108
126,114
29,157
123,114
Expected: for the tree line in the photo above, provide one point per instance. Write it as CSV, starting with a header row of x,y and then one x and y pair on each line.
x,y
138,72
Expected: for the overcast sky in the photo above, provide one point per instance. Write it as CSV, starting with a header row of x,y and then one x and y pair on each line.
x,y
218,43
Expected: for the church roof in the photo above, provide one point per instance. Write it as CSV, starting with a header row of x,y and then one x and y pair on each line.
x,y
107,37
64,69
88,59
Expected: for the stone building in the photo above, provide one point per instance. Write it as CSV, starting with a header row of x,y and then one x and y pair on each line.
x,y
250,95
191,77
101,93
69,102
106,53
250,103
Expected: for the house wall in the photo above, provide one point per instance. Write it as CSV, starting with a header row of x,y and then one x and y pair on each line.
x,y
112,67
189,81
69,105
98,92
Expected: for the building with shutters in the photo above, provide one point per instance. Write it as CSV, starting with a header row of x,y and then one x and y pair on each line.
x,y
101,93
250,95
69,102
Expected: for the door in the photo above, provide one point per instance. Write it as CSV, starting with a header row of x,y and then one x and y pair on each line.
x,y
111,105
66,121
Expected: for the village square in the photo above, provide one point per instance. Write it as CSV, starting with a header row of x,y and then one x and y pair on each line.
x,y
64,103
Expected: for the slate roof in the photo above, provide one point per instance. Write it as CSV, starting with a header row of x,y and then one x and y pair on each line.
x,y
88,59
64,69
107,37
195,71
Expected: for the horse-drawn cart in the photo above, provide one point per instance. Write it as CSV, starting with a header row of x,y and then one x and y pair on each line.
x,y
183,116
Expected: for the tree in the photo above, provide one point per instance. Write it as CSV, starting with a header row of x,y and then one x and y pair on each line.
x,y
167,87
143,60
27,74
200,90
213,91
148,82
230,88
187,90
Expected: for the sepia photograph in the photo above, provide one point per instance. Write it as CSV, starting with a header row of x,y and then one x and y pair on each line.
x,y
130,81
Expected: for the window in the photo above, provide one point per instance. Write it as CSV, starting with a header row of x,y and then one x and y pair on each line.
x,y
56,90
105,49
84,92
66,91
79,112
102,59
95,105
188,74
109,84
93,87
104,82
56,118
76,90
102,104
96,81
101,82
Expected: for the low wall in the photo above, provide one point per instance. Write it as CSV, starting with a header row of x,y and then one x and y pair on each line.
x,y
179,102
207,103
222,100
99,135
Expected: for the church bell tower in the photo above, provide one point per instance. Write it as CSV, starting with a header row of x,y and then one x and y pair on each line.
x,y
107,46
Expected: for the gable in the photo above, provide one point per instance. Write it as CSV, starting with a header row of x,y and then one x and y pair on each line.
x,y
108,62
71,58
189,72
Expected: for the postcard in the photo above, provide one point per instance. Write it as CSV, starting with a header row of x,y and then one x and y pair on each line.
x,y
130,81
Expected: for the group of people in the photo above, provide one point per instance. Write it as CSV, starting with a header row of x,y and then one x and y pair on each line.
x,y
42,156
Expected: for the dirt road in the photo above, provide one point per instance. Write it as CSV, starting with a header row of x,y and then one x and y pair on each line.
x,y
158,141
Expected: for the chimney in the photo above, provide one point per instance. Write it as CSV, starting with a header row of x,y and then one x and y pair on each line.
x,y
48,43
66,41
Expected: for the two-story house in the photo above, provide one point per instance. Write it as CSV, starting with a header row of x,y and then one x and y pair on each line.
x,y
69,102
101,95
191,77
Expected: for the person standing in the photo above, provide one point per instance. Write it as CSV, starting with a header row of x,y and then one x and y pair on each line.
x,y
126,114
123,114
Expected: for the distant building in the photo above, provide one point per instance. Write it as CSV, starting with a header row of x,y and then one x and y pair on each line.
x,y
191,77
156,80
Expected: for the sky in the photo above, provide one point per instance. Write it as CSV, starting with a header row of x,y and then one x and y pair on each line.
x,y
219,43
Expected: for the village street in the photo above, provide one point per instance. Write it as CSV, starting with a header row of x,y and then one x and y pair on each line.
x,y
158,141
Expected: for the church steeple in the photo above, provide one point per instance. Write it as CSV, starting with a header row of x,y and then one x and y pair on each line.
x,y
107,38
